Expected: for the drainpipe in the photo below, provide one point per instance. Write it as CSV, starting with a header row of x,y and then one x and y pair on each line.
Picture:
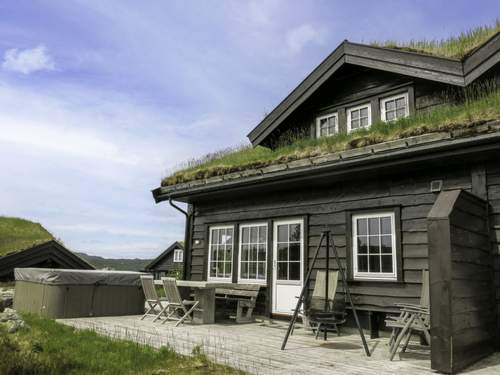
x,y
187,245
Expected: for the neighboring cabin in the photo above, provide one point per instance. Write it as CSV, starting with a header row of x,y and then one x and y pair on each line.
x,y
27,244
168,263
427,197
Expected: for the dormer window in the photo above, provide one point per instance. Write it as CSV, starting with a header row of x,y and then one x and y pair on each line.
x,y
327,125
359,117
395,107
178,255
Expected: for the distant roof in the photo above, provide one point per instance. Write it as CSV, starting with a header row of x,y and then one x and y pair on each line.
x,y
159,258
18,234
458,72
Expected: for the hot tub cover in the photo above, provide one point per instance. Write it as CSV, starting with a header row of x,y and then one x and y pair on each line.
x,y
77,277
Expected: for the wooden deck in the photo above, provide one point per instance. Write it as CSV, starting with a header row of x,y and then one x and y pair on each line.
x,y
255,348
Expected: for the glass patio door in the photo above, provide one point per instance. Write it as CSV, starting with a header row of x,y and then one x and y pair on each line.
x,y
288,260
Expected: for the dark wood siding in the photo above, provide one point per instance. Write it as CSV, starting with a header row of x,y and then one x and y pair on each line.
x,y
462,291
493,184
326,208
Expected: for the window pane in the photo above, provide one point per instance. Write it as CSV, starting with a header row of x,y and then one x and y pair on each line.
x,y
254,235
229,253
323,132
252,270
355,114
244,252
228,269
400,102
283,252
282,270
385,225
374,263
215,236
362,245
244,270
261,271
213,268
253,253
391,115
354,124
262,234
373,244
295,232
220,269
362,226
262,253
282,233
229,236
364,112
295,251
386,242
362,263
387,263
364,122
294,271
245,235
390,105
400,113
373,225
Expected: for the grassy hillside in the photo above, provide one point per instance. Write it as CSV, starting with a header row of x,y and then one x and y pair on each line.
x,y
115,264
17,234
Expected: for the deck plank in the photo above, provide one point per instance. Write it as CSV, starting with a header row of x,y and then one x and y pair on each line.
x,y
255,347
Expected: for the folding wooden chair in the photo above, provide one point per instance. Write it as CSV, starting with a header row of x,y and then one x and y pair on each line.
x,y
317,315
412,318
154,302
175,303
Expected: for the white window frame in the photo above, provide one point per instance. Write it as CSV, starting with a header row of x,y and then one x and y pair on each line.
x,y
373,275
210,229
393,97
318,127
178,256
252,281
349,110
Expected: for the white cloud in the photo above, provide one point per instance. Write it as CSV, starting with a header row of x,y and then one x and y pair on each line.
x,y
299,37
28,60
63,141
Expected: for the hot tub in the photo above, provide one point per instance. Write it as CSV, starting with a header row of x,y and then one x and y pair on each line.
x,y
61,293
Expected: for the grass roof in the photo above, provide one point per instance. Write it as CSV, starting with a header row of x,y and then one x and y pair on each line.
x,y
456,47
18,234
479,103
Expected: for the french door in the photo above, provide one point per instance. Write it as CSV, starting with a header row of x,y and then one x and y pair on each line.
x,y
288,264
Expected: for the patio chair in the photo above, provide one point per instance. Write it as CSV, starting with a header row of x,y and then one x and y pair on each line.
x,y
321,313
412,318
175,303
153,301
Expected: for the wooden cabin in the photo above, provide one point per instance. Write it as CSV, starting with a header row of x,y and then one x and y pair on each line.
x,y
169,263
49,254
429,199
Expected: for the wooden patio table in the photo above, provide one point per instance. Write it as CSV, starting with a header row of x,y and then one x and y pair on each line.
x,y
204,291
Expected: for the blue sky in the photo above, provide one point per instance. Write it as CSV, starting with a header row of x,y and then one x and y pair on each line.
x,y
100,99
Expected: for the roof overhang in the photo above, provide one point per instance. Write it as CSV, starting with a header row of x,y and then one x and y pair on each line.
x,y
450,71
441,148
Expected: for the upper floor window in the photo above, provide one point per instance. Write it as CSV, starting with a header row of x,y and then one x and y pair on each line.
x,y
374,246
253,253
178,255
220,253
394,107
359,117
327,125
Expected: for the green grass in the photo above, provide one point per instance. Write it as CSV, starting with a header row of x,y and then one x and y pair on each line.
x,y
47,347
454,47
17,234
480,102
7,284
